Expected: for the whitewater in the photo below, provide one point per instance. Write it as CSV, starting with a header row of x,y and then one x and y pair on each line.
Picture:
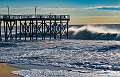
x,y
82,55
95,32
65,58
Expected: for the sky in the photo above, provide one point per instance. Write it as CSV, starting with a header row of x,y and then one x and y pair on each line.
x,y
81,11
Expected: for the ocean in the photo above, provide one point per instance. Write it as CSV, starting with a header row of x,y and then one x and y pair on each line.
x,y
90,51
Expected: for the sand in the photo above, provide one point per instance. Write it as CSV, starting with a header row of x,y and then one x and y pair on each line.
x,y
6,69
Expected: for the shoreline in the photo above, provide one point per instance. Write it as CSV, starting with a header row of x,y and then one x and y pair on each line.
x,y
6,70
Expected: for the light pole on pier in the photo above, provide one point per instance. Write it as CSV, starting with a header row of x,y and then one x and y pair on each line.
x,y
35,10
8,8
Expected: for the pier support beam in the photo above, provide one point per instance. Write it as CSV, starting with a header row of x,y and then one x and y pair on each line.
x,y
50,29
30,29
16,30
0,31
25,34
55,24
5,29
67,29
36,29
20,29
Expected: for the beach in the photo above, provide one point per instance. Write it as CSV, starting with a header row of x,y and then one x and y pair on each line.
x,y
6,69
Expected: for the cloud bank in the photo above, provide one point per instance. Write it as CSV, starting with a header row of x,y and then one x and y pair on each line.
x,y
104,8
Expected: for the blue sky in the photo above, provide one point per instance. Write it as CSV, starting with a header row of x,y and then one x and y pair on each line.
x,y
58,3
81,11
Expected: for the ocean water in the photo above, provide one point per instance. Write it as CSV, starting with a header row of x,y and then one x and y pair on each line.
x,y
90,51
63,58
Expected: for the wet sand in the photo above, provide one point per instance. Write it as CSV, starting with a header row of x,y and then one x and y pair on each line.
x,y
6,69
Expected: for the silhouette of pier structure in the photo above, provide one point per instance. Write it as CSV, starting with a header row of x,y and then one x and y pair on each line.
x,y
33,27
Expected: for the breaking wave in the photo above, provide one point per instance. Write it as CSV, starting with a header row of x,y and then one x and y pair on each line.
x,y
95,32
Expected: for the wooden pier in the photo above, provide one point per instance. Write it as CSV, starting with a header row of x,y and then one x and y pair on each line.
x,y
33,27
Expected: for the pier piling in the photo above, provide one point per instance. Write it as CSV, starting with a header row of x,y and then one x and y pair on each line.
x,y
33,27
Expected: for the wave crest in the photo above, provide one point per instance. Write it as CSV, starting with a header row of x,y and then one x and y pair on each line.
x,y
95,32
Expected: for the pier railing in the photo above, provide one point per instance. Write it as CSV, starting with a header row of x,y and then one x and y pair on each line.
x,y
52,17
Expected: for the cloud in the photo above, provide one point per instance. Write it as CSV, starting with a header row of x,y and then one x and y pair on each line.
x,y
108,7
116,8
